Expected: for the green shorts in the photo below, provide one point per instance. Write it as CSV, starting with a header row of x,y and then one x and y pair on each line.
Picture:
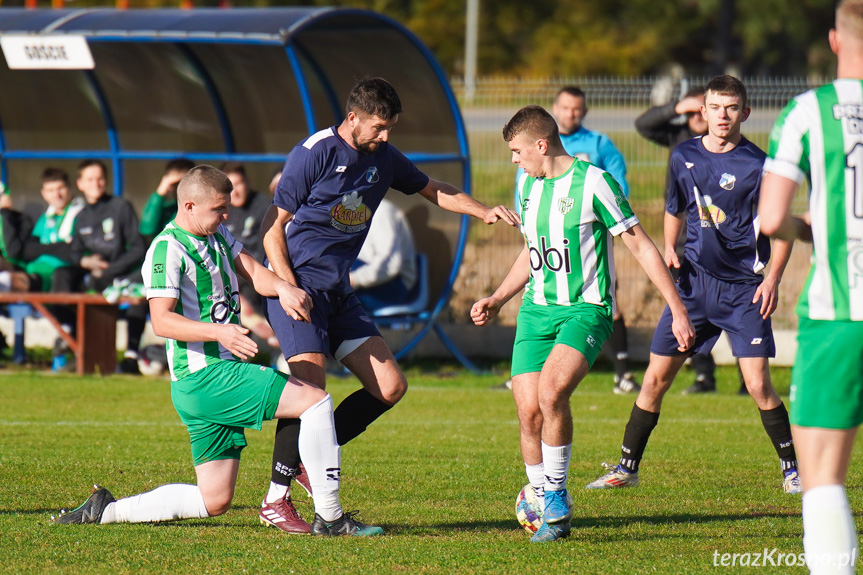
x,y
583,327
216,403
827,379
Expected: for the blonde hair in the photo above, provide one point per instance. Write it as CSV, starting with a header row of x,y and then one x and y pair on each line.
x,y
849,17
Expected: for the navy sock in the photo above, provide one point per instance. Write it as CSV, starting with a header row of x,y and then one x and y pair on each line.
x,y
355,413
286,451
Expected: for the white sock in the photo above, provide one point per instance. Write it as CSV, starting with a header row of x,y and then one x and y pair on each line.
x,y
829,536
277,492
321,456
165,503
536,476
556,462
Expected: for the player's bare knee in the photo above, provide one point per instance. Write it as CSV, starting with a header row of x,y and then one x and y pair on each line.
x,y
394,389
530,419
218,504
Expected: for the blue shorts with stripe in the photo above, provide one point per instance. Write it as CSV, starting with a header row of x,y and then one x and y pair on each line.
x,y
715,306
336,318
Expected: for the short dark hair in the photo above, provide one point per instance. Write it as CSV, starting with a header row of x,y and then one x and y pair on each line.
x,y
92,162
375,97
179,165
233,168
203,179
534,121
726,85
55,175
573,91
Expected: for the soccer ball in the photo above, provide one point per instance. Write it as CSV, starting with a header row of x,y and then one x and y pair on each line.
x,y
528,510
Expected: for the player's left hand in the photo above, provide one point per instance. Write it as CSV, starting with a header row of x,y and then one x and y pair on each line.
x,y
768,293
504,213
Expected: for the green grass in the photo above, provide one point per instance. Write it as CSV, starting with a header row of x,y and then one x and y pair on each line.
x,y
440,473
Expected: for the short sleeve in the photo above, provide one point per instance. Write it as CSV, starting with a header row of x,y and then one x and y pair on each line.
x,y
407,178
610,206
163,269
787,153
298,176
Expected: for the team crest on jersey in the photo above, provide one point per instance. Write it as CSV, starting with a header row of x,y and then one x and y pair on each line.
x,y
350,215
564,205
727,181
108,229
372,175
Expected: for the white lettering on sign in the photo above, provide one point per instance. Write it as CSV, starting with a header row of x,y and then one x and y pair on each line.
x,y
46,52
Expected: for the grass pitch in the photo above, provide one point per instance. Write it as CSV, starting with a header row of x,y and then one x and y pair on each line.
x,y
440,473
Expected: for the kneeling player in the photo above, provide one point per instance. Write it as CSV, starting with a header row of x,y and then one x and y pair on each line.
x,y
190,274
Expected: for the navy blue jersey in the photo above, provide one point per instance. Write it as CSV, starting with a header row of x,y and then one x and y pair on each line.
x,y
719,193
333,190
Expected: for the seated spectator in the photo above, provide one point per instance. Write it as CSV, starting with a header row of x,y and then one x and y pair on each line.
x,y
15,227
245,215
106,246
385,270
55,227
161,206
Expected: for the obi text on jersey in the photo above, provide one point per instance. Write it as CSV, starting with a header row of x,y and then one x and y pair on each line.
x,y
567,223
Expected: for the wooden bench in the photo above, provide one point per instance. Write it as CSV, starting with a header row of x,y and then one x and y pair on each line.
x,y
95,342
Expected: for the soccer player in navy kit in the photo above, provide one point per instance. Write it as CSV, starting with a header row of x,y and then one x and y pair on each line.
x,y
713,192
331,186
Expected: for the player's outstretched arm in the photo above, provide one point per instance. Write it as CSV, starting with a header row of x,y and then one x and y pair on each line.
x,y
774,210
642,247
296,302
169,324
453,199
275,245
487,308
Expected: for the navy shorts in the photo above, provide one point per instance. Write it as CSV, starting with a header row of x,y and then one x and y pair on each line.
x,y
336,318
715,306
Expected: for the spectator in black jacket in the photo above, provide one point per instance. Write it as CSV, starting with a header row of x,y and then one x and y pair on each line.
x,y
106,246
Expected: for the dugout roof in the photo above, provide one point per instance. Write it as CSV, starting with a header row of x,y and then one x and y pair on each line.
x,y
215,85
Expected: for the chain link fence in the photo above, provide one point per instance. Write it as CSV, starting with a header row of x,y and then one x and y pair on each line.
x,y
614,104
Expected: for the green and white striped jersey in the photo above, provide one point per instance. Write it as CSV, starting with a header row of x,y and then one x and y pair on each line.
x,y
819,135
199,273
567,224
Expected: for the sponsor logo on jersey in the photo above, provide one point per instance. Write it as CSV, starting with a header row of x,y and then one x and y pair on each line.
x,y
226,307
372,175
350,215
689,165
564,205
711,216
727,181
551,258
341,169
158,268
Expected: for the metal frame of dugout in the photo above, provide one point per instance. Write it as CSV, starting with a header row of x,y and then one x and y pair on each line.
x,y
230,85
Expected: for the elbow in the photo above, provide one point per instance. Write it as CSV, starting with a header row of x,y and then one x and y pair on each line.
x,y
770,224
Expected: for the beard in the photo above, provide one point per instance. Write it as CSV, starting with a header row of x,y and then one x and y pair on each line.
x,y
367,147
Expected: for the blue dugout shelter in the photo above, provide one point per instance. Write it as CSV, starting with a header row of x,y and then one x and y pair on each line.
x,y
218,85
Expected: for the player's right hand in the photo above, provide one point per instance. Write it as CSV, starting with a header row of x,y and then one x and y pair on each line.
x,y
683,330
296,302
233,338
484,310
671,259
